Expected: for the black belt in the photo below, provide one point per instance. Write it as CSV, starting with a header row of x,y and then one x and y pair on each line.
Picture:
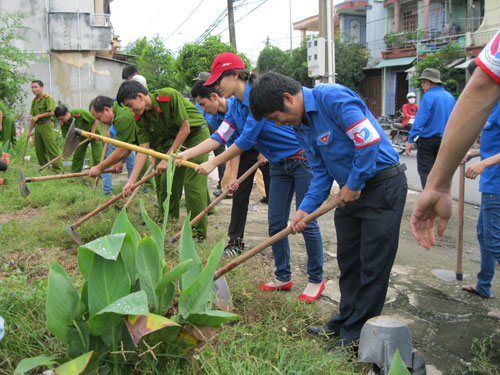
x,y
392,171
44,121
196,129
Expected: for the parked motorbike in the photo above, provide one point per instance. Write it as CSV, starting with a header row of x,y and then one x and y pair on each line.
x,y
399,136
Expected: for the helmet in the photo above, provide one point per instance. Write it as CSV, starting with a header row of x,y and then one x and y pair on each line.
x,y
411,95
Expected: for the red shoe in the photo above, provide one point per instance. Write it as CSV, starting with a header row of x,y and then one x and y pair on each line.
x,y
2,181
270,288
308,299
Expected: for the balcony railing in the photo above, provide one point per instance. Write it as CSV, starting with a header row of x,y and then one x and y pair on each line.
x,y
482,38
437,43
100,20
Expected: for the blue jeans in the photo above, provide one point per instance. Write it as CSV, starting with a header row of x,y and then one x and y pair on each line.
x,y
289,177
107,183
488,235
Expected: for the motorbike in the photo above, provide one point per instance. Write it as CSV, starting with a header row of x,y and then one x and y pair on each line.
x,y
399,136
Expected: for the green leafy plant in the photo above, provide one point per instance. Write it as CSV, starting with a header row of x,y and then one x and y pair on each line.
x,y
127,291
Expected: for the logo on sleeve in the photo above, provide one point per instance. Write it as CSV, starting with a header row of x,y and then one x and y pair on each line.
x,y
495,44
225,130
325,137
363,133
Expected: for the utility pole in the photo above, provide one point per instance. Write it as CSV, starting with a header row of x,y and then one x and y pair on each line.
x,y
230,19
325,31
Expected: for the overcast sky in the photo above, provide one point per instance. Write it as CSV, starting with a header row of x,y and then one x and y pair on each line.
x,y
255,21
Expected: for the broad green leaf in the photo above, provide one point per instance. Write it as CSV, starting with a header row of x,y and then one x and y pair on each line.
x,y
198,296
156,232
133,304
188,251
141,325
398,367
149,269
62,299
77,365
170,178
212,318
78,338
187,341
108,282
174,274
85,257
108,246
128,253
30,363
106,325
122,225
84,300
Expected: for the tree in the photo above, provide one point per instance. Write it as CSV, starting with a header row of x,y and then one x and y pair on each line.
x,y
453,79
273,59
350,59
194,58
155,62
14,63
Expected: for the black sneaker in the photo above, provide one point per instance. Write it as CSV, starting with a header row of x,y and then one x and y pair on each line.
x,y
263,200
218,193
234,248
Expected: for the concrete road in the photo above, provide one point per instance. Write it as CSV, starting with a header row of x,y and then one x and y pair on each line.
x,y
472,195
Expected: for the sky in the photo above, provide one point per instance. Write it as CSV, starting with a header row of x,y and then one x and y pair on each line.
x,y
182,21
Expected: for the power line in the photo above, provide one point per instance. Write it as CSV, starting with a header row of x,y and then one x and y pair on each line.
x,y
258,6
183,22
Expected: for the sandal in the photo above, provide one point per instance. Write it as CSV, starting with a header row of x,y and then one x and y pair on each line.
x,y
472,290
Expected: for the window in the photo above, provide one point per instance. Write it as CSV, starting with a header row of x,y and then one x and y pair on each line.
x,y
436,18
410,20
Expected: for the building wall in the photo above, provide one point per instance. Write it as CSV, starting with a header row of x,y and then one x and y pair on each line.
x,y
376,28
346,20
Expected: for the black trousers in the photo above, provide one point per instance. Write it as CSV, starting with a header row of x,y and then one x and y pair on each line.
x,y
367,241
426,156
241,197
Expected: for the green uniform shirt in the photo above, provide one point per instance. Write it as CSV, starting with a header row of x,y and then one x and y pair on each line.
x,y
4,109
83,119
43,104
124,123
161,125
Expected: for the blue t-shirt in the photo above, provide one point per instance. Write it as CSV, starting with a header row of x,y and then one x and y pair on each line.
x,y
272,141
489,182
343,142
433,113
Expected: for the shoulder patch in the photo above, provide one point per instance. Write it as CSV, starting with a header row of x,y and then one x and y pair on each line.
x,y
77,115
45,96
137,117
324,137
163,98
158,109
363,133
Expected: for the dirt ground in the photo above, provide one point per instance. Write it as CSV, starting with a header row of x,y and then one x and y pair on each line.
x,y
442,318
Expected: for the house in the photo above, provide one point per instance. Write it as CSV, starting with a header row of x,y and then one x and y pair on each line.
x,y
75,43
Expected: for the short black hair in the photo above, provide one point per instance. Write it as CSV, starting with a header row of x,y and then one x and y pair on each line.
x,y
101,102
60,111
129,90
266,94
129,70
199,89
38,82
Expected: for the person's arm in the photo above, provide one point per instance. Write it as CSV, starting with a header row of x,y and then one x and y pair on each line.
x,y
140,160
406,110
202,148
94,127
464,125
207,167
1,120
477,168
179,139
117,155
234,165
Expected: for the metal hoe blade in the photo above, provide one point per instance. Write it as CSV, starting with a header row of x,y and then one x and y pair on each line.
x,y
447,275
23,187
71,142
222,296
74,235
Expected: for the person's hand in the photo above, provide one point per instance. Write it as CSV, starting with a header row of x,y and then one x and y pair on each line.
x,y
408,147
475,170
296,224
118,167
430,205
95,171
34,119
233,184
127,189
180,157
347,195
206,168
28,134
262,159
162,167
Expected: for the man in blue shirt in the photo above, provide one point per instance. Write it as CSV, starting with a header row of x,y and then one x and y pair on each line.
x,y
488,223
344,142
430,122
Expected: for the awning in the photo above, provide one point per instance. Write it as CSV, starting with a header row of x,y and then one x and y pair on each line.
x,y
463,65
395,62
411,70
455,63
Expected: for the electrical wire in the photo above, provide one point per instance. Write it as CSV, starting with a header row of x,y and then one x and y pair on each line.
x,y
183,22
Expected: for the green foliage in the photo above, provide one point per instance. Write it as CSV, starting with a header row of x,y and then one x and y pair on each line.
x,y
440,60
398,367
350,59
273,59
14,63
195,58
29,364
155,62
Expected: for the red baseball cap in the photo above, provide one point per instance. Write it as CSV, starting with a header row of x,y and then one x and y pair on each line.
x,y
222,63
